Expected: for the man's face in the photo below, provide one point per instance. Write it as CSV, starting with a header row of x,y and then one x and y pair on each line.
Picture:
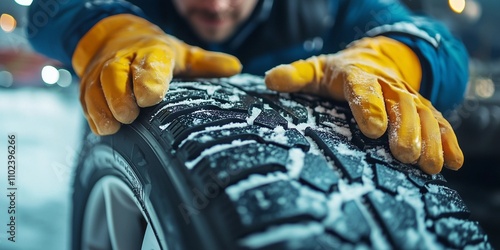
x,y
215,20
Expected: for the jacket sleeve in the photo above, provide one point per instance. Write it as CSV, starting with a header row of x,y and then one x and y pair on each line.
x,y
55,26
443,58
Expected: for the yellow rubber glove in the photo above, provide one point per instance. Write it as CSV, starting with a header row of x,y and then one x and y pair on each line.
x,y
379,77
125,62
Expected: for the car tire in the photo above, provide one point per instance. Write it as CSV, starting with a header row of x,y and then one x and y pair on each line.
x,y
228,164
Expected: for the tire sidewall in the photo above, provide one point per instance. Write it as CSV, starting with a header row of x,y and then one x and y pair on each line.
x,y
99,160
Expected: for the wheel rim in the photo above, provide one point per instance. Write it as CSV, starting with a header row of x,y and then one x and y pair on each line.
x,y
113,219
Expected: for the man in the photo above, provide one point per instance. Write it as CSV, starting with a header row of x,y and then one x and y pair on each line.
x,y
386,63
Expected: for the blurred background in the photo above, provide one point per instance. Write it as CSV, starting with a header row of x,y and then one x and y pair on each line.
x,y
39,103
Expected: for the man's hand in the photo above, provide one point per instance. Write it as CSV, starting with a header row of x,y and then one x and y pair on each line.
x,y
379,78
125,62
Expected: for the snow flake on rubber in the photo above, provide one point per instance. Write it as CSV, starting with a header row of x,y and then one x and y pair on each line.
x,y
215,149
253,115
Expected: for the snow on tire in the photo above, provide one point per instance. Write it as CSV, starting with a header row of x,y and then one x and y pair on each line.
x,y
227,164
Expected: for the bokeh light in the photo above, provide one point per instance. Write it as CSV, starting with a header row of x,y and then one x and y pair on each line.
x,y
7,22
457,5
484,87
65,78
6,79
24,2
50,75
473,10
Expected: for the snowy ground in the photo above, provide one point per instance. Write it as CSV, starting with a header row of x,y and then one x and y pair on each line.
x,y
47,123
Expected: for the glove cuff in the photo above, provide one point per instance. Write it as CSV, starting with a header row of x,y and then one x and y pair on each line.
x,y
403,60
102,32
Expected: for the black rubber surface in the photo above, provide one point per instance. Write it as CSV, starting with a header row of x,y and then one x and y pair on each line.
x,y
228,164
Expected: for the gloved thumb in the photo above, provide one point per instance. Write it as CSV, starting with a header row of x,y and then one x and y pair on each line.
x,y
193,61
296,76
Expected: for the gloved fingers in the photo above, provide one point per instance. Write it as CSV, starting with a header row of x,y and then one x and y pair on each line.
x,y
116,86
404,132
297,75
364,95
100,118
152,70
431,158
193,61
453,155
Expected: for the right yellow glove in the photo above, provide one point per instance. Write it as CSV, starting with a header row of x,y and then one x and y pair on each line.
x,y
379,77
125,62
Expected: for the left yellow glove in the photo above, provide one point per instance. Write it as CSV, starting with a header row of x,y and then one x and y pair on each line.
x,y
126,62
379,77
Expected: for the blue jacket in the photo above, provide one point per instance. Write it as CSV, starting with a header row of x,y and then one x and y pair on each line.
x,y
278,31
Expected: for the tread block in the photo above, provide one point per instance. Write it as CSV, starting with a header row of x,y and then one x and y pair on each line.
x,y
285,138
346,157
331,122
323,118
315,101
184,94
200,100
298,113
235,99
442,201
390,179
225,95
278,202
271,119
234,164
318,173
380,154
321,242
420,179
459,233
207,91
399,219
416,175
438,178
245,103
363,142
167,114
295,138
351,224
199,120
